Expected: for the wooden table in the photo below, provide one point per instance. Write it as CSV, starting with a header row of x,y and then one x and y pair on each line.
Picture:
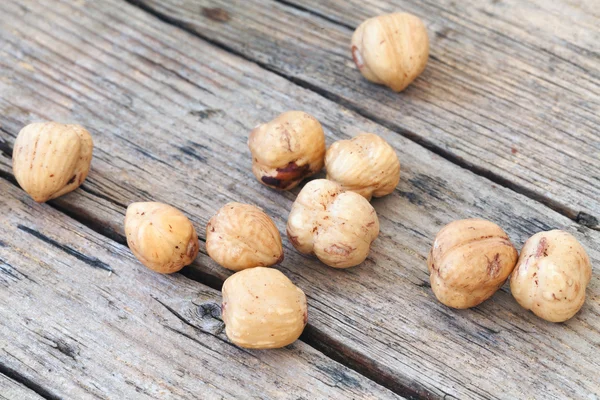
x,y
503,124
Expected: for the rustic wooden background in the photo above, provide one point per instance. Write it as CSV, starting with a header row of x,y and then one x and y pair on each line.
x,y
503,124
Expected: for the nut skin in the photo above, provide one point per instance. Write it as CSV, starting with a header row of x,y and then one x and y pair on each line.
x,y
160,236
391,49
287,149
551,275
469,261
365,164
335,225
51,159
242,236
263,309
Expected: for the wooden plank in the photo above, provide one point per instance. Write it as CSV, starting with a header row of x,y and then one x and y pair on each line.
x,y
12,390
511,91
170,116
82,318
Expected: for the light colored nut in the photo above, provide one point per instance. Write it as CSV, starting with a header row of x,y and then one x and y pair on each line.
x,y
469,261
337,226
160,236
366,164
286,150
263,309
51,159
242,236
391,49
551,276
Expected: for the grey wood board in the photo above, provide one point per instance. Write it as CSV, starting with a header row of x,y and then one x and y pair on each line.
x,y
170,115
83,319
13,390
512,88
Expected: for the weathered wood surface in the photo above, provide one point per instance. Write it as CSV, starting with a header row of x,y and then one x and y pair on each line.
x,y
170,115
512,88
83,319
10,390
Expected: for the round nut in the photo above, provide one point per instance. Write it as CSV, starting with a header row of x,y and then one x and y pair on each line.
x,y
263,309
242,236
391,49
551,276
286,150
337,226
160,236
365,164
51,159
469,261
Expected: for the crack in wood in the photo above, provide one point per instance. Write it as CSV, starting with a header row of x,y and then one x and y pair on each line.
x,y
27,382
91,261
349,358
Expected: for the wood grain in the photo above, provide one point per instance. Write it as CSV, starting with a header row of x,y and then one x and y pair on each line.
x,y
511,91
86,320
170,114
12,390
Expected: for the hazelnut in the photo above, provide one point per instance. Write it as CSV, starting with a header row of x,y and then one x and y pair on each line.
x,y
286,150
242,236
337,226
469,261
391,49
551,276
366,164
263,309
51,159
160,236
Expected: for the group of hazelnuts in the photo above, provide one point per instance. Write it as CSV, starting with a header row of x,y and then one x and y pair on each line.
x,y
331,218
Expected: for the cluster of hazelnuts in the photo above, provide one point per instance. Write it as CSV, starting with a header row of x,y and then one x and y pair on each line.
x,y
331,218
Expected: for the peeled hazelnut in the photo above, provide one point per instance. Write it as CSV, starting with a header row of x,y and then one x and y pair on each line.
x,y
366,164
551,276
286,150
391,49
51,159
469,261
160,236
337,226
263,309
242,236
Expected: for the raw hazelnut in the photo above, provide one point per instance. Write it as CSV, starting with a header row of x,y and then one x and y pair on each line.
x,y
337,226
469,261
160,236
51,159
242,236
366,164
551,276
287,149
391,49
263,309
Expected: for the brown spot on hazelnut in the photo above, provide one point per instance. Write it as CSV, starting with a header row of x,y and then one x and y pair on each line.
x,y
293,239
339,249
357,57
280,259
216,14
72,179
305,317
493,267
542,249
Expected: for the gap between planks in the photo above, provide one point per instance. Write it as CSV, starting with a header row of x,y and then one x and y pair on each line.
x,y
28,383
580,217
